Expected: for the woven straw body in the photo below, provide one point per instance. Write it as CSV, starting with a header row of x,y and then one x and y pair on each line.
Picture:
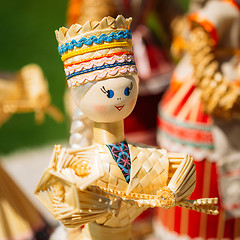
x,y
68,186
149,173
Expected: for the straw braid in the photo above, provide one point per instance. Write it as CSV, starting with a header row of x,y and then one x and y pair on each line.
x,y
81,130
220,97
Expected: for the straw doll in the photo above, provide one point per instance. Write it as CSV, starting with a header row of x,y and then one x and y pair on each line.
x,y
151,38
108,184
200,114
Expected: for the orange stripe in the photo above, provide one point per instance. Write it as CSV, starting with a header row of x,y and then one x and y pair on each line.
x,y
95,58
237,228
184,221
163,216
205,194
171,218
206,24
221,224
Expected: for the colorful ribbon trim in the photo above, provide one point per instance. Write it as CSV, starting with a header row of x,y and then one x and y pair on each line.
x,y
95,48
100,68
101,74
184,124
98,63
93,39
185,142
121,154
96,58
184,133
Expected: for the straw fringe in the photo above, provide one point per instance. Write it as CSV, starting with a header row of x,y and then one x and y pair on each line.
x,y
17,218
183,180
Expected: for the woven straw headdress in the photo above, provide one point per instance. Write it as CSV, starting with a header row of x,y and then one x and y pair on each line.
x,y
96,50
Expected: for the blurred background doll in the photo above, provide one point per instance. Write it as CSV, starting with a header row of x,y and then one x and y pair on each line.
x,y
200,114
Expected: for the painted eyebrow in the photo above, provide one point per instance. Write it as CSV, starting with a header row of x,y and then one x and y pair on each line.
x,y
131,86
103,89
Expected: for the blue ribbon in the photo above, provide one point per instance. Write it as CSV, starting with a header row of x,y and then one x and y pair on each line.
x,y
99,68
93,39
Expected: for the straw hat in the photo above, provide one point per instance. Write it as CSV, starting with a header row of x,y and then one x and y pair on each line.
x,y
96,50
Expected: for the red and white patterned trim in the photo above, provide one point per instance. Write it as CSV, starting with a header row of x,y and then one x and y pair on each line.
x,y
98,62
101,75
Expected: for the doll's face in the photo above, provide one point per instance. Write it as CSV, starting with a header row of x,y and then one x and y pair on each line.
x,y
109,100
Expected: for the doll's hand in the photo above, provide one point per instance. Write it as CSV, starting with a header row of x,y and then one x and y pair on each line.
x,y
166,198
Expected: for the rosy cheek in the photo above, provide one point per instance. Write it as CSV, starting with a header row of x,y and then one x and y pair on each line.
x,y
133,102
100,108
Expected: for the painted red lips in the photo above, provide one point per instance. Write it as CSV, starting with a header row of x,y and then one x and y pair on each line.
x,y
119,108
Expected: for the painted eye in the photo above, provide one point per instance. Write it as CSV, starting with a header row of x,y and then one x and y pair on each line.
x,y
110,93
127,91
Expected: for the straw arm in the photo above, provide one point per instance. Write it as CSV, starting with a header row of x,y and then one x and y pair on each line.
x,y
165,199
204,205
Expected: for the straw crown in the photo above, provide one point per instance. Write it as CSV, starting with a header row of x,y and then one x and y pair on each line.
x,y
96,50
65,35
